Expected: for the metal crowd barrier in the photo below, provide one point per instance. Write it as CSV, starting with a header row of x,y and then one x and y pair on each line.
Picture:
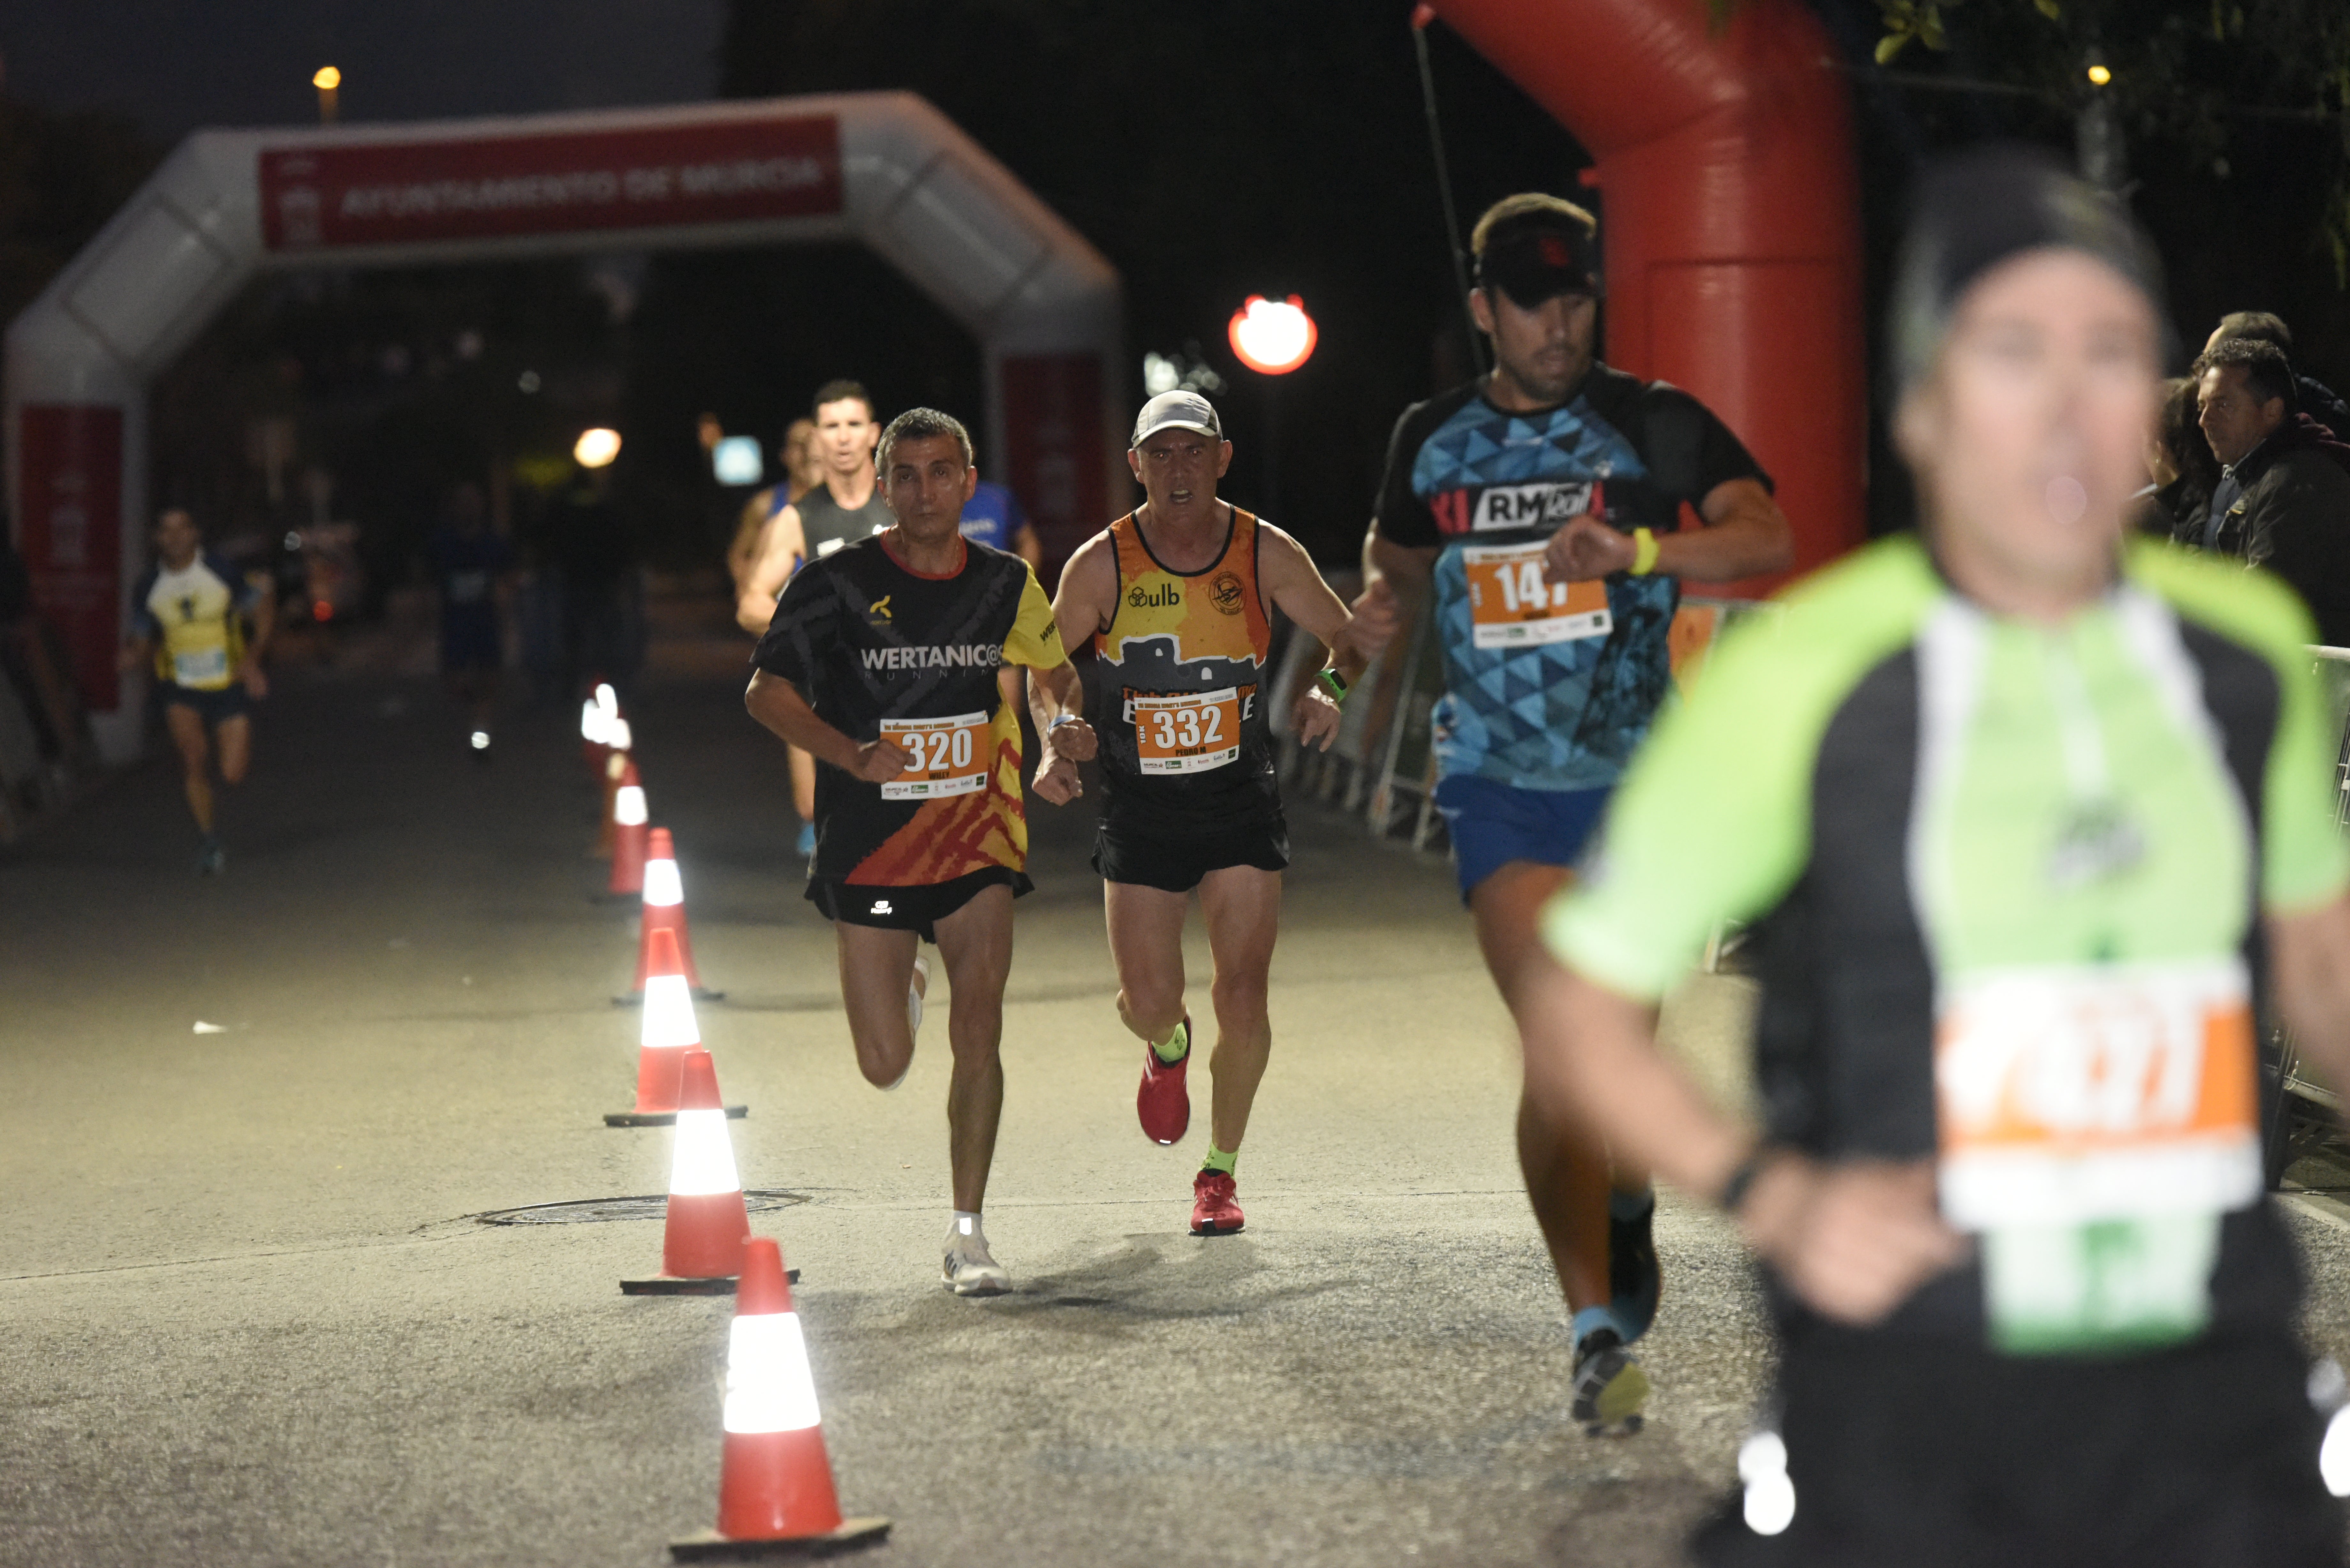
x,y
2301,1110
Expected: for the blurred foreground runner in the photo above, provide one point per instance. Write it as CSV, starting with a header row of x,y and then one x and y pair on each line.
x,y
2034,819
880,661
1179,595
847,506
1542,505
189,612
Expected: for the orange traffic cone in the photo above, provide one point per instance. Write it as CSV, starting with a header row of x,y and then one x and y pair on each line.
x,y
701,1245
664,910
628,836
775,1479
667,1033
617,739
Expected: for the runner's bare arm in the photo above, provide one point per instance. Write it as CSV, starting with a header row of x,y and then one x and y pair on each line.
x,y
1395,576
780,552
1056,699
2309,956
1088,591
265,623
1854,1238
138,653
778,705
1745,535
750,531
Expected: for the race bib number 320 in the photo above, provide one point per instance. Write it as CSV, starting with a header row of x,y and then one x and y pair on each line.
x,y
1513,605
951,756
1189,733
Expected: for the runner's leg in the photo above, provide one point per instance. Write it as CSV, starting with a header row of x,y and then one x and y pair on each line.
x,y
187,727
1146,944
975,943
876,967
233,736
1565,1172
1242,906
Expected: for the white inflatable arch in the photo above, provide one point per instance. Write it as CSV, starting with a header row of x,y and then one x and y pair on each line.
x,y
886,168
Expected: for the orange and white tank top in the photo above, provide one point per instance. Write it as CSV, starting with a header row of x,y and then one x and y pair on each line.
x,y
1185,660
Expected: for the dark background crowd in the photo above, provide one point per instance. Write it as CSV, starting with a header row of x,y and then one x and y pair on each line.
x,y
1210,151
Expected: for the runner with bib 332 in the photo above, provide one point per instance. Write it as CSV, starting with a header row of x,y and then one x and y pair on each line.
x,y
2030,817
1178,597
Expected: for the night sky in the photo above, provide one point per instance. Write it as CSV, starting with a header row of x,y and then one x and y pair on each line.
x,y
178,65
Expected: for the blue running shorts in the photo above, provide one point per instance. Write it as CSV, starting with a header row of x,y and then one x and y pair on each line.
x,y
1493,823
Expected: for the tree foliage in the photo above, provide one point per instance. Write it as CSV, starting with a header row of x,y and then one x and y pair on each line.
x,y
2189,78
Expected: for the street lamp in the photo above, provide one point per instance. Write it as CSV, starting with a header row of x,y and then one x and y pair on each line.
x,y
596,448
1272,336
329,81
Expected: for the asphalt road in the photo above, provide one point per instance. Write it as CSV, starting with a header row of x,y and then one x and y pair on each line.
x,y
251,1317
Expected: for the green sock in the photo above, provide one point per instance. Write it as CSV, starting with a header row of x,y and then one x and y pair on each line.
x,y
1221,1159
1176,1046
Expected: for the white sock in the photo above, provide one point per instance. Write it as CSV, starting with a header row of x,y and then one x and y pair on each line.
x,y
966,1226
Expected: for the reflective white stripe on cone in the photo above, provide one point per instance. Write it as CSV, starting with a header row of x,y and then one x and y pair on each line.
x,y
701,1244
669,1030
628,817
775,1480
616,739
664,907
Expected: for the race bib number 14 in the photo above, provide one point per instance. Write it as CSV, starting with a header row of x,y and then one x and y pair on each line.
x,y
1511,605
951,756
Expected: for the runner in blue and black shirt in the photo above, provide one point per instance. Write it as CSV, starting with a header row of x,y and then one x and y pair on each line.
x,y
1541,504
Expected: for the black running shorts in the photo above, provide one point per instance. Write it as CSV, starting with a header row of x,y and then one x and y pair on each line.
x,y
214,707
908,908
1176,865
1932,1453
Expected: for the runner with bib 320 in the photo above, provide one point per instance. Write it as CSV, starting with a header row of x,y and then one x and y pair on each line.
x,y
1179,596
2030,817
880,661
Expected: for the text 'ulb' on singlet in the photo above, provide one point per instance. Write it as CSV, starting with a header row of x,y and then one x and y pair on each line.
x,y
1186,745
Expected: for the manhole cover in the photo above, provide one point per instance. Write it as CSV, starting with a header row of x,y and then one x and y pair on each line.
x,y
595,1210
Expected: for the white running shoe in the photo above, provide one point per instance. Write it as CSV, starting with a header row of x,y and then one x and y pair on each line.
x,y
914,993
971,1269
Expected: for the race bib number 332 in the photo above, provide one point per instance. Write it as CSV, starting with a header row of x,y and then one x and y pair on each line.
x,y
951,756
1513,605
1188,734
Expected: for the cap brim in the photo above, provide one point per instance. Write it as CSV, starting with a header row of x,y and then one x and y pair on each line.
x,y
1174,425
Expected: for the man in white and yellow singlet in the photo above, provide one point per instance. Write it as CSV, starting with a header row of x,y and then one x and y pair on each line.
x,y
189,612
1179,596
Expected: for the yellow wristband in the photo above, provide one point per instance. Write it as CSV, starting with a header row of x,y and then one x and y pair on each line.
x,y
1644,552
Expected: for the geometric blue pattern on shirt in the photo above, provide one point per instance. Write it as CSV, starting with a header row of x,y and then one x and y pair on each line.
x,y
1556,716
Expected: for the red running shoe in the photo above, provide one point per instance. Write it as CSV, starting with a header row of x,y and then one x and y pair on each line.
x,y
1163,1104
1215,1204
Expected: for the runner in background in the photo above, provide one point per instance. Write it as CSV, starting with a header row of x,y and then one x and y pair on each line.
x,y
2032,817
189,614
881,661
847,506
802,470
473,568
1179,595
996,518
1543,504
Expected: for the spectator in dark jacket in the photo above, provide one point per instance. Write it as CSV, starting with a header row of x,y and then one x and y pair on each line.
x,y
2183,469
2283,502
2312,398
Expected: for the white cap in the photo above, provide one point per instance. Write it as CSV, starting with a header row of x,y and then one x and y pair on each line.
x,y
1178,411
